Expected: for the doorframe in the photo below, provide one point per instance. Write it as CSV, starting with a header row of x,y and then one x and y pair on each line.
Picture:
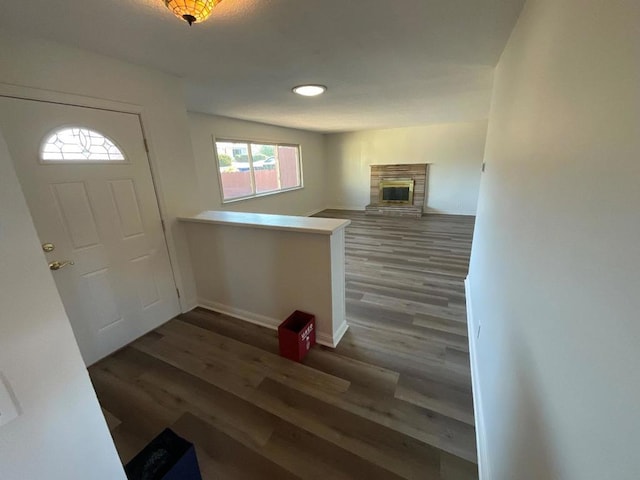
x,y
69,99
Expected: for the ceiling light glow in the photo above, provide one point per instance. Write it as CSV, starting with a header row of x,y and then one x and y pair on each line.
x,y
309,90
191,11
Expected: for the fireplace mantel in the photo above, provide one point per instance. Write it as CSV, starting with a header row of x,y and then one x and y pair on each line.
x,y
416,173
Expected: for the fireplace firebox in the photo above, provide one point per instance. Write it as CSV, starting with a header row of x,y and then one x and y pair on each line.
x,y
397,191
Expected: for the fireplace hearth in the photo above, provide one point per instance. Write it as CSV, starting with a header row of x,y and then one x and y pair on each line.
x,y
398,190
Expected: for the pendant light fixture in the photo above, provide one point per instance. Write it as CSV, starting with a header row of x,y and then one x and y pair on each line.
x,y
191,11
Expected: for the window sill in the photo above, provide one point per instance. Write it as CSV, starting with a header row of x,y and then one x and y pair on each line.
x,y
260,195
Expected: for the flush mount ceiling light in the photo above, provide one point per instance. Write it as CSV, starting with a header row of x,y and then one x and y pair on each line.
x,y
309,90
192,11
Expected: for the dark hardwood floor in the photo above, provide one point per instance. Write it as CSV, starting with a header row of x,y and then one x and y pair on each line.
x,y
392,401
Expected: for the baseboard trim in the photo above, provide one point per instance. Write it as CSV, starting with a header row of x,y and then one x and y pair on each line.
x,y
484,472
313,212
256,319
327,341
189,305
453,214
346,207
268,322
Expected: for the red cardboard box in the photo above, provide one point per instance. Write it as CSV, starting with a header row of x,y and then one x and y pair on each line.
x,y
296,335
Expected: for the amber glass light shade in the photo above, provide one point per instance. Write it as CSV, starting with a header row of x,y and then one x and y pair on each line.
x,y
192,11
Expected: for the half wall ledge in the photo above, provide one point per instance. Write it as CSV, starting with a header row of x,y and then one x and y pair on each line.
x,y
260,268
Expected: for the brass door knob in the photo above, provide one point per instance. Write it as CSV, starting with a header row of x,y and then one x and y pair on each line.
x,y
57,265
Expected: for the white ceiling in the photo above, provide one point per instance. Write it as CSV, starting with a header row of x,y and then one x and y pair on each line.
x,y
386,63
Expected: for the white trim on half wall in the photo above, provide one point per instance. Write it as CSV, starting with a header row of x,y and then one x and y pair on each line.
x,y
484,472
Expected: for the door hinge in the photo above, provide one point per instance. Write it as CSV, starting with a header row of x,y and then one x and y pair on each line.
x,y
146,145
178,292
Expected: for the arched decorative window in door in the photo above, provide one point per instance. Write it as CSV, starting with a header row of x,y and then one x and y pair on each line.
x,y
77,144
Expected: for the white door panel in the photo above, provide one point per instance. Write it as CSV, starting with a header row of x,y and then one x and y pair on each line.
x,y
103,216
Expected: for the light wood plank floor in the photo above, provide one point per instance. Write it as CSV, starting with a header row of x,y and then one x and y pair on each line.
x,y
392,401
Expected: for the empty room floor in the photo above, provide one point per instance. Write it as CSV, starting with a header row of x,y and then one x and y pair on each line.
x,y
392,401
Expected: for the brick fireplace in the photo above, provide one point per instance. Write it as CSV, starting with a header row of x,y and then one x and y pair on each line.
x,y
398,190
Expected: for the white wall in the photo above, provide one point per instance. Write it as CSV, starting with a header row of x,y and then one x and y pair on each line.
x,y
49,66
455,151
61,433
310,199
271,270
555,267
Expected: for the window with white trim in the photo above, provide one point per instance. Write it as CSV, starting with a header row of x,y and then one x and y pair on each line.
x,y
249,169
77,144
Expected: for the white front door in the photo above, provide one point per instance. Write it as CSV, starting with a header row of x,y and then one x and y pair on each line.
x,y
98,209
